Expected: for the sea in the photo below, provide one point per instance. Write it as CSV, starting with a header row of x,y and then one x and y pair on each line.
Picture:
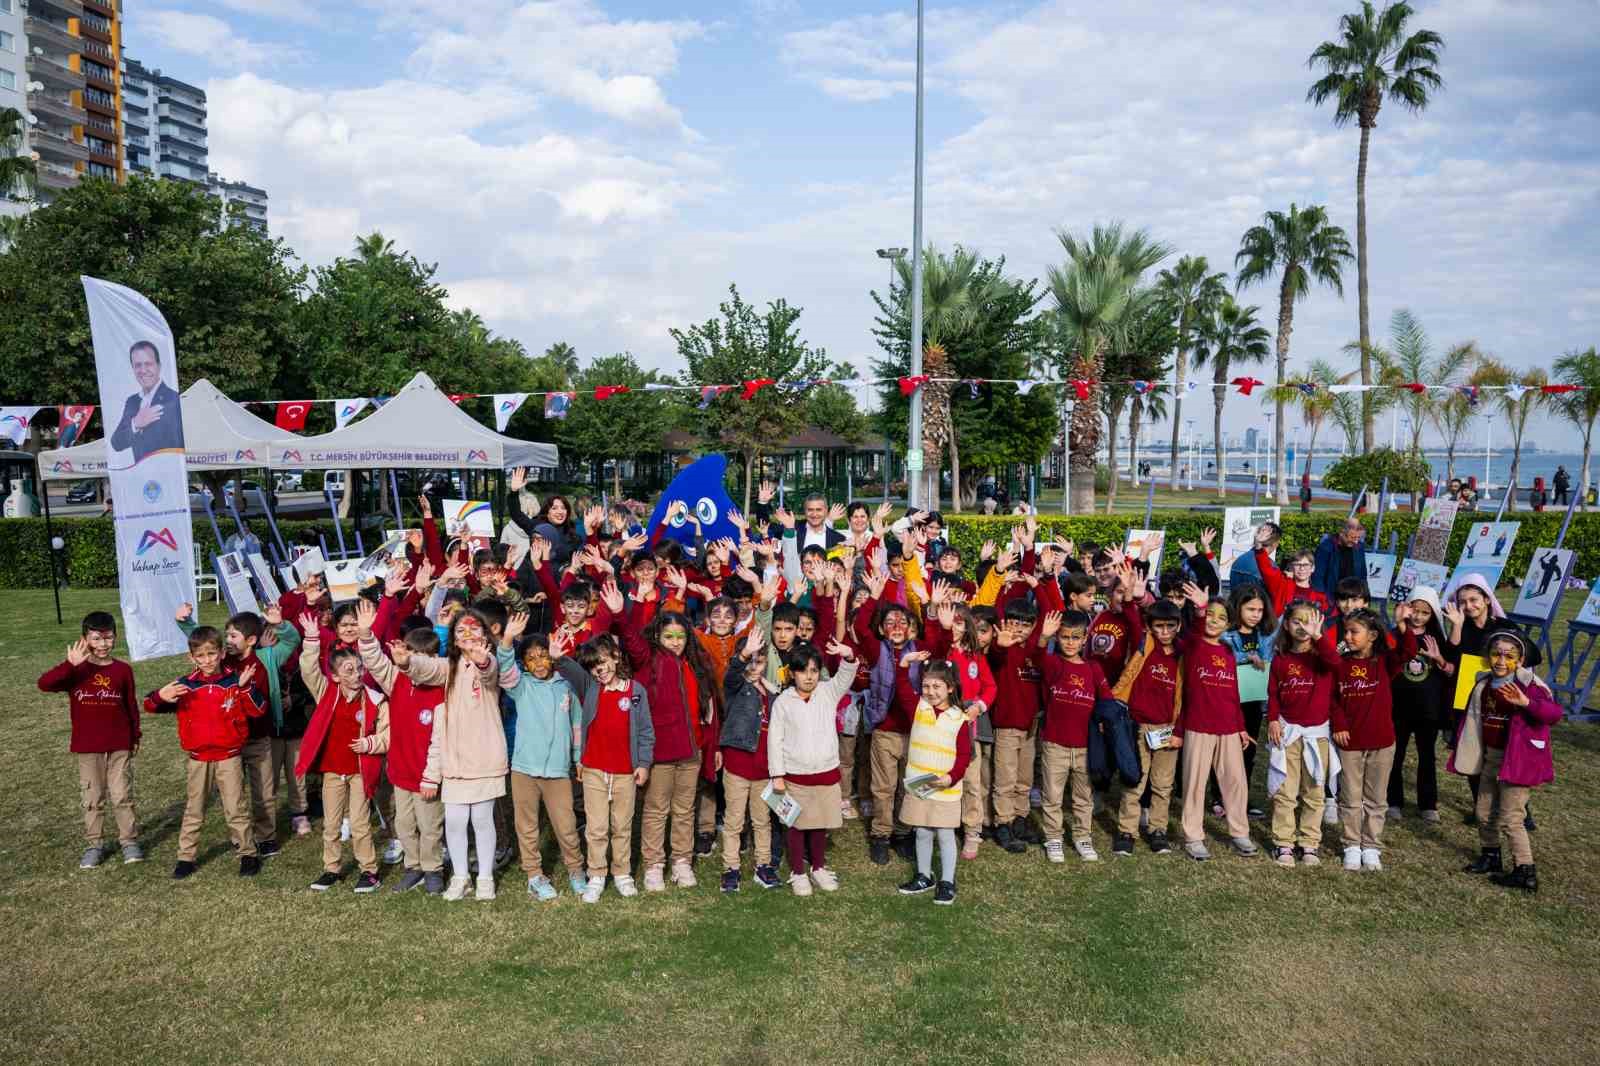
x,y
1493,469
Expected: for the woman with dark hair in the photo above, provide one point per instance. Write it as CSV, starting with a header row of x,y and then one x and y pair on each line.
x,y
555,522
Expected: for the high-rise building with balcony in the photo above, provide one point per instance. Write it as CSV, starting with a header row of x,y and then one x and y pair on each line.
x,y
138,106
252,201
71,88
179,117
13,84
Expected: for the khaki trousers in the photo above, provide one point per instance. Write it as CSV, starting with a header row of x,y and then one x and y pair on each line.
x,y
103,775
1157,769
1501,809
1364,795
1066,768
705,812
743,796
1205,755
285,753
228,777
888,754
419,826
344,797
670,793
1013,774
527,793
975,790
847,767
608,801
256,755
1297,805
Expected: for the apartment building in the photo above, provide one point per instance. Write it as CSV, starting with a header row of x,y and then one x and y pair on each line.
x,y
70,88
252,201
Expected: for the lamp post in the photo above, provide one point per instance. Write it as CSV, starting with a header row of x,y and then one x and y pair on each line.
x,y
892,255
914,447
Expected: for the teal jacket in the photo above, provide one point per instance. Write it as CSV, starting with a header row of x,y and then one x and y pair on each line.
x,y
272,656
545,731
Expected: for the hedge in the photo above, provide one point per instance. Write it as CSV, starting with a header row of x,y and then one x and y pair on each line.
x,y
91,560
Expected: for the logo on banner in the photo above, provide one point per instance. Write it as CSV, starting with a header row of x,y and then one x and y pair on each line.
x,y
245,453
152,538
347,410
291,456
62,466
480,456
152,492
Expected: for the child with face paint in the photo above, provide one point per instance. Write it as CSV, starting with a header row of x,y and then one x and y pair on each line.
x,y
953,635
1505,740
1211,730
884,634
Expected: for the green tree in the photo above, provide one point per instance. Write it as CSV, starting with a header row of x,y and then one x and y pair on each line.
x,y
18,172
1581,408
1310,392
1193,292
1373,59
627,425
1409,360
564,357
1137,350
1302,248
1229,337
1516,396
228,292
833,406
1092,290
747,345
1406,473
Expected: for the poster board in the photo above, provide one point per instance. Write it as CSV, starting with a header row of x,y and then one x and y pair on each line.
x,y
1138,541
1433,533
469,520
265,582
1589,613
1416,573
1489,542
345,579
234,575
1239,525
1543,585
1467,671
308,564
1380,575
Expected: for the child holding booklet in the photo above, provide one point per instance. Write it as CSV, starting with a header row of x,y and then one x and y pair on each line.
x,y
939,753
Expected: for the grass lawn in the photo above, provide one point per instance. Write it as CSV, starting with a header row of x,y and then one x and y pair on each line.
x,y
1128,961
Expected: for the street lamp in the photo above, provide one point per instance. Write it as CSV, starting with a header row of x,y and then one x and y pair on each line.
x,y
892,255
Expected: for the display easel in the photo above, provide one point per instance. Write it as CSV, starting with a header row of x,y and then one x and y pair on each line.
x,y
1149,501
1538,630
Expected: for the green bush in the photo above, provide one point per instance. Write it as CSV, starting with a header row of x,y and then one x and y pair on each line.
x,y
1406,473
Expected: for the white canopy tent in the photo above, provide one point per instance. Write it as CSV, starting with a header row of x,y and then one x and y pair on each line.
x,y
218,434
419,428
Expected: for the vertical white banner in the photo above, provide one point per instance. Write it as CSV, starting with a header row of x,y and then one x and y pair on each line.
x,y
507,404
345,410
137,368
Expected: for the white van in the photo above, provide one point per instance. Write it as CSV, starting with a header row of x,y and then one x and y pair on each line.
x,y
333,481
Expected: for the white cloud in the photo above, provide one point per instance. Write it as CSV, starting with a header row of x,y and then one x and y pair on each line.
x,y
286,10
209,37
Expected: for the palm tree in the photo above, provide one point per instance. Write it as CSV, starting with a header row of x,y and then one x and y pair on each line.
x,y
1452,415
374,246
1345,410
1408,361
1302,247
1092,291
564,357
17,171
954,290
1229,337
1581,408
1373,59
1193,292
1311,393
1135,351
1517,395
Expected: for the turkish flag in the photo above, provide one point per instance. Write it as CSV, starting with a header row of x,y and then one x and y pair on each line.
x,y
73,420
292,415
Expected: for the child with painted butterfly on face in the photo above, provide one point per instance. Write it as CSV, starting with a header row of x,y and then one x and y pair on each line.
x,y
1505,740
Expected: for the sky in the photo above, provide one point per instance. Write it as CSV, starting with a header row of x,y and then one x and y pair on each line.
x,y
598,171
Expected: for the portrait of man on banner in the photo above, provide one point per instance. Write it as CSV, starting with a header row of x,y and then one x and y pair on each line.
x,y
152,420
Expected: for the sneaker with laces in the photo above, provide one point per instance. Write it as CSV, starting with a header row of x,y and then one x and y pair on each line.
x,y
267,849
1245,847
1197,850
767,876
1283,856
683,874
1159,844
969,847
825,879
1122,845
730,881
540,888
1309,857
1431,817
366,884
578,882
1393,814
1054,851
301,825
458,888
944,893
1371,859
704,844
592,890
412,878
183,870
433,882
324,882
1085,850
249,866
132,853
654,880
1352,858
485,889
847,810
918,884
394,853
625,886
93,856
800,884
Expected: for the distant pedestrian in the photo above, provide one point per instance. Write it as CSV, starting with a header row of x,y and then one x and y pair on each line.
x,y
1562,483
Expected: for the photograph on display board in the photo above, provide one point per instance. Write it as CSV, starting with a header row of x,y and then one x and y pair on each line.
x,y
469,521
1416,573
1541,588
263,575
1433,532
1239,525
1490,572
1489,542
1589,613
235,575
1380,574
1144,548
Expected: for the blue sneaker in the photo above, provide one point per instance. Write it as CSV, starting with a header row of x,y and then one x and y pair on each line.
x,y
579,883
541,887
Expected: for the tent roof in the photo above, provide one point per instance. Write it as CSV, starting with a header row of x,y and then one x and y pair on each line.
x,y
218,434
419,428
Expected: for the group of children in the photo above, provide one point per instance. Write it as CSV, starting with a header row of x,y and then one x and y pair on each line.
x,y
801,677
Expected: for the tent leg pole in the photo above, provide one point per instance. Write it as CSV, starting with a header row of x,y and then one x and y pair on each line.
x,y
50,535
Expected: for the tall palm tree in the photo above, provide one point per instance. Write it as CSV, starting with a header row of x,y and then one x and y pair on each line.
x,y
1311,392
564,357
373,246
1514,404
954,290
1092,292
1372,59
1409,360
18,172
1231,336
1453,415
1581,408
1302,247
1345,410
1135,351
1193,292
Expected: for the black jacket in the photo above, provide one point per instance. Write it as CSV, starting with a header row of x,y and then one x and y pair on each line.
x,y
1112,744
165,432
742,705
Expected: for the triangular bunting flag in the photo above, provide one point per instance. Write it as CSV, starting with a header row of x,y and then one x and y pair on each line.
x,y
1246,384
1515,390
657,386
1081,387
345,411
709,393
379,401
507,404
1026,386
753,386
1307,387
972,387
72,420
292,415
457,397
556,404
605,392
1470,392
1142,387
908,385
1556,390
1415,387
15,423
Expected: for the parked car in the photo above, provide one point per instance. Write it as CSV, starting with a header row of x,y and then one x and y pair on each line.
x,y
82,492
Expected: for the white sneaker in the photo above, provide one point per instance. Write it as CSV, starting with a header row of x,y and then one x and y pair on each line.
x,y
825,879
457,888
486,888
1371,859
344,829
591,891
393,853
1054,851
1330,812
800,884
1352,858
683,875
847,810
625,887
1085,850
653,881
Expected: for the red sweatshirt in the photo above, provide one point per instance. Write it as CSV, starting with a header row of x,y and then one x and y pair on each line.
x,y
977,681
1363,697
1210,687
411,711
1300,685
1070,691
103,705
1153,698
675,699
1112,637
1017,685
1283,590
213,713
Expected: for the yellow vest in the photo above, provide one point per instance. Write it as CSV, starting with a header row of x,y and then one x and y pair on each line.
x,y
932,748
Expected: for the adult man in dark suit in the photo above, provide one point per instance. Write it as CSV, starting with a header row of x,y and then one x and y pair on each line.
x,y
151,419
